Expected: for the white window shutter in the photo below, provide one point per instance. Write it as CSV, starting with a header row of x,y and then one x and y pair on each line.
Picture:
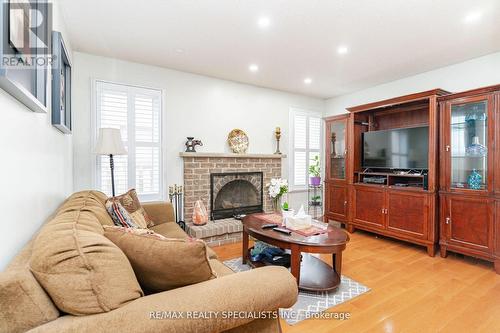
x,y
300,162
300,131
306,144
147,138
314,133
137,113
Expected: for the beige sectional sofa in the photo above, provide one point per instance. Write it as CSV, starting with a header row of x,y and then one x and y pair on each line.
x,y
71,253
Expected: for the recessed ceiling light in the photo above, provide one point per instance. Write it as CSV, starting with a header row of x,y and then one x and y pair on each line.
x,y
342,49
308,80
264,22
473,17
179,50
253,68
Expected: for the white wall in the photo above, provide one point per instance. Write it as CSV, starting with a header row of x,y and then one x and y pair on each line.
x,y
475,73
199,106
36,170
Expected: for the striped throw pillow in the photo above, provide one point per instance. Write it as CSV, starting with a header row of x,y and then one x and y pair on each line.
x,y
119,215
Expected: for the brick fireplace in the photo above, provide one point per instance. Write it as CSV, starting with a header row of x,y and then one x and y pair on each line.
x,y
198,168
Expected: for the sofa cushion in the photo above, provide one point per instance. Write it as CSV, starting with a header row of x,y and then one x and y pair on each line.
x,y
130,201
81,270
23,302
163,264
172,230
159,211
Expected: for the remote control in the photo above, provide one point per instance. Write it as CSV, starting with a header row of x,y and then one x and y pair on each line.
x,y
283,231
269,226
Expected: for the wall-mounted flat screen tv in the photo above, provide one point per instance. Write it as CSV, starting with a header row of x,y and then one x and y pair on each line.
x,y
402,148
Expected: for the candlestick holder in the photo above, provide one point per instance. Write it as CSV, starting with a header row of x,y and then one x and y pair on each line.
x,y
277,134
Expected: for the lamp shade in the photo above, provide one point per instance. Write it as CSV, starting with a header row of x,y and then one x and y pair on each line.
x,y
110,142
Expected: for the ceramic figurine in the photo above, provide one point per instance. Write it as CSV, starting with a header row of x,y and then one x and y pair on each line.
x,y
191,144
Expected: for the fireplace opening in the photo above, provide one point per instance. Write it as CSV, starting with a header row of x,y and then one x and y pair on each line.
x,y
235,193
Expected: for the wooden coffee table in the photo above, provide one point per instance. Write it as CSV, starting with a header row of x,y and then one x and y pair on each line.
x,y
311,272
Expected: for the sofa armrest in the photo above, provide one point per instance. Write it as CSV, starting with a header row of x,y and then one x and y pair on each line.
x,y
159,211
258,290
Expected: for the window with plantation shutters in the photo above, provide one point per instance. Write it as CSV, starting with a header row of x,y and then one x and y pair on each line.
x,y
305,144
136,111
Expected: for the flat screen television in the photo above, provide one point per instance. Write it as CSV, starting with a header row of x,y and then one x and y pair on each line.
x,y
402,148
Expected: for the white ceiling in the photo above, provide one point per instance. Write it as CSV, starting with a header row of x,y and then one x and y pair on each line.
x,y
386,39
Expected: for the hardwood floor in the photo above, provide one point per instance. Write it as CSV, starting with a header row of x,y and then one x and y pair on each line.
x,y
410,291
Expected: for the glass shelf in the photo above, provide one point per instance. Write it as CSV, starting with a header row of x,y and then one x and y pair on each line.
x,y
468,156
470,123
465,186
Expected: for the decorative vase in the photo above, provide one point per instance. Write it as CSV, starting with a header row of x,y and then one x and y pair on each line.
x,y
315,181
277,205
474,180
476,149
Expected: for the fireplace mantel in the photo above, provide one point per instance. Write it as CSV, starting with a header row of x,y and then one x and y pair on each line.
x,y
232,155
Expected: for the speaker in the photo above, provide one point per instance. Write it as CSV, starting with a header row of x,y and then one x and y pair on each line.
x,y
426,182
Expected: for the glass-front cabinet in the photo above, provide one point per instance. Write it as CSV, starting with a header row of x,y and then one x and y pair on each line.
x,y
336,130
336,193
468,144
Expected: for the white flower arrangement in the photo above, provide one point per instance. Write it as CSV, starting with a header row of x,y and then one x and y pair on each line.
x,y
276,189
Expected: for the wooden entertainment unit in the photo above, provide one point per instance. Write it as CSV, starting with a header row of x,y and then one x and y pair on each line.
x,y
456,201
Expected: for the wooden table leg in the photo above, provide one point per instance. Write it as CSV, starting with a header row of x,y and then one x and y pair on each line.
x,y
337,263
244,254
295,262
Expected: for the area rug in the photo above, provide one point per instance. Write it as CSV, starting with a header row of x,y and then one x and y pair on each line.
x,y
311,303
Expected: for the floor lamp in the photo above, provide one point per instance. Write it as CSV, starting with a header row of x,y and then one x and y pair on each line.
x,y
110,143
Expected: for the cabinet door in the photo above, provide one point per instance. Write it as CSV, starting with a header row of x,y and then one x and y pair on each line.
x,y
336,148
468,222
468,140
336,202
408,213
369,206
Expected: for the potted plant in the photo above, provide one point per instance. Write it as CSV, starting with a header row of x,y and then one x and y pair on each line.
x,y
315,200
315,171
286,210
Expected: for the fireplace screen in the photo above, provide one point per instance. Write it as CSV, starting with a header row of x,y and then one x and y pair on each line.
x,y
235,193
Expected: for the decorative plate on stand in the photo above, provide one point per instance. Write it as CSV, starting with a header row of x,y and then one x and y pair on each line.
x,y
238,141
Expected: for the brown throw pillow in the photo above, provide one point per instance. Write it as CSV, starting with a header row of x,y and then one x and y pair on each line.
x,y
162,263
130,201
